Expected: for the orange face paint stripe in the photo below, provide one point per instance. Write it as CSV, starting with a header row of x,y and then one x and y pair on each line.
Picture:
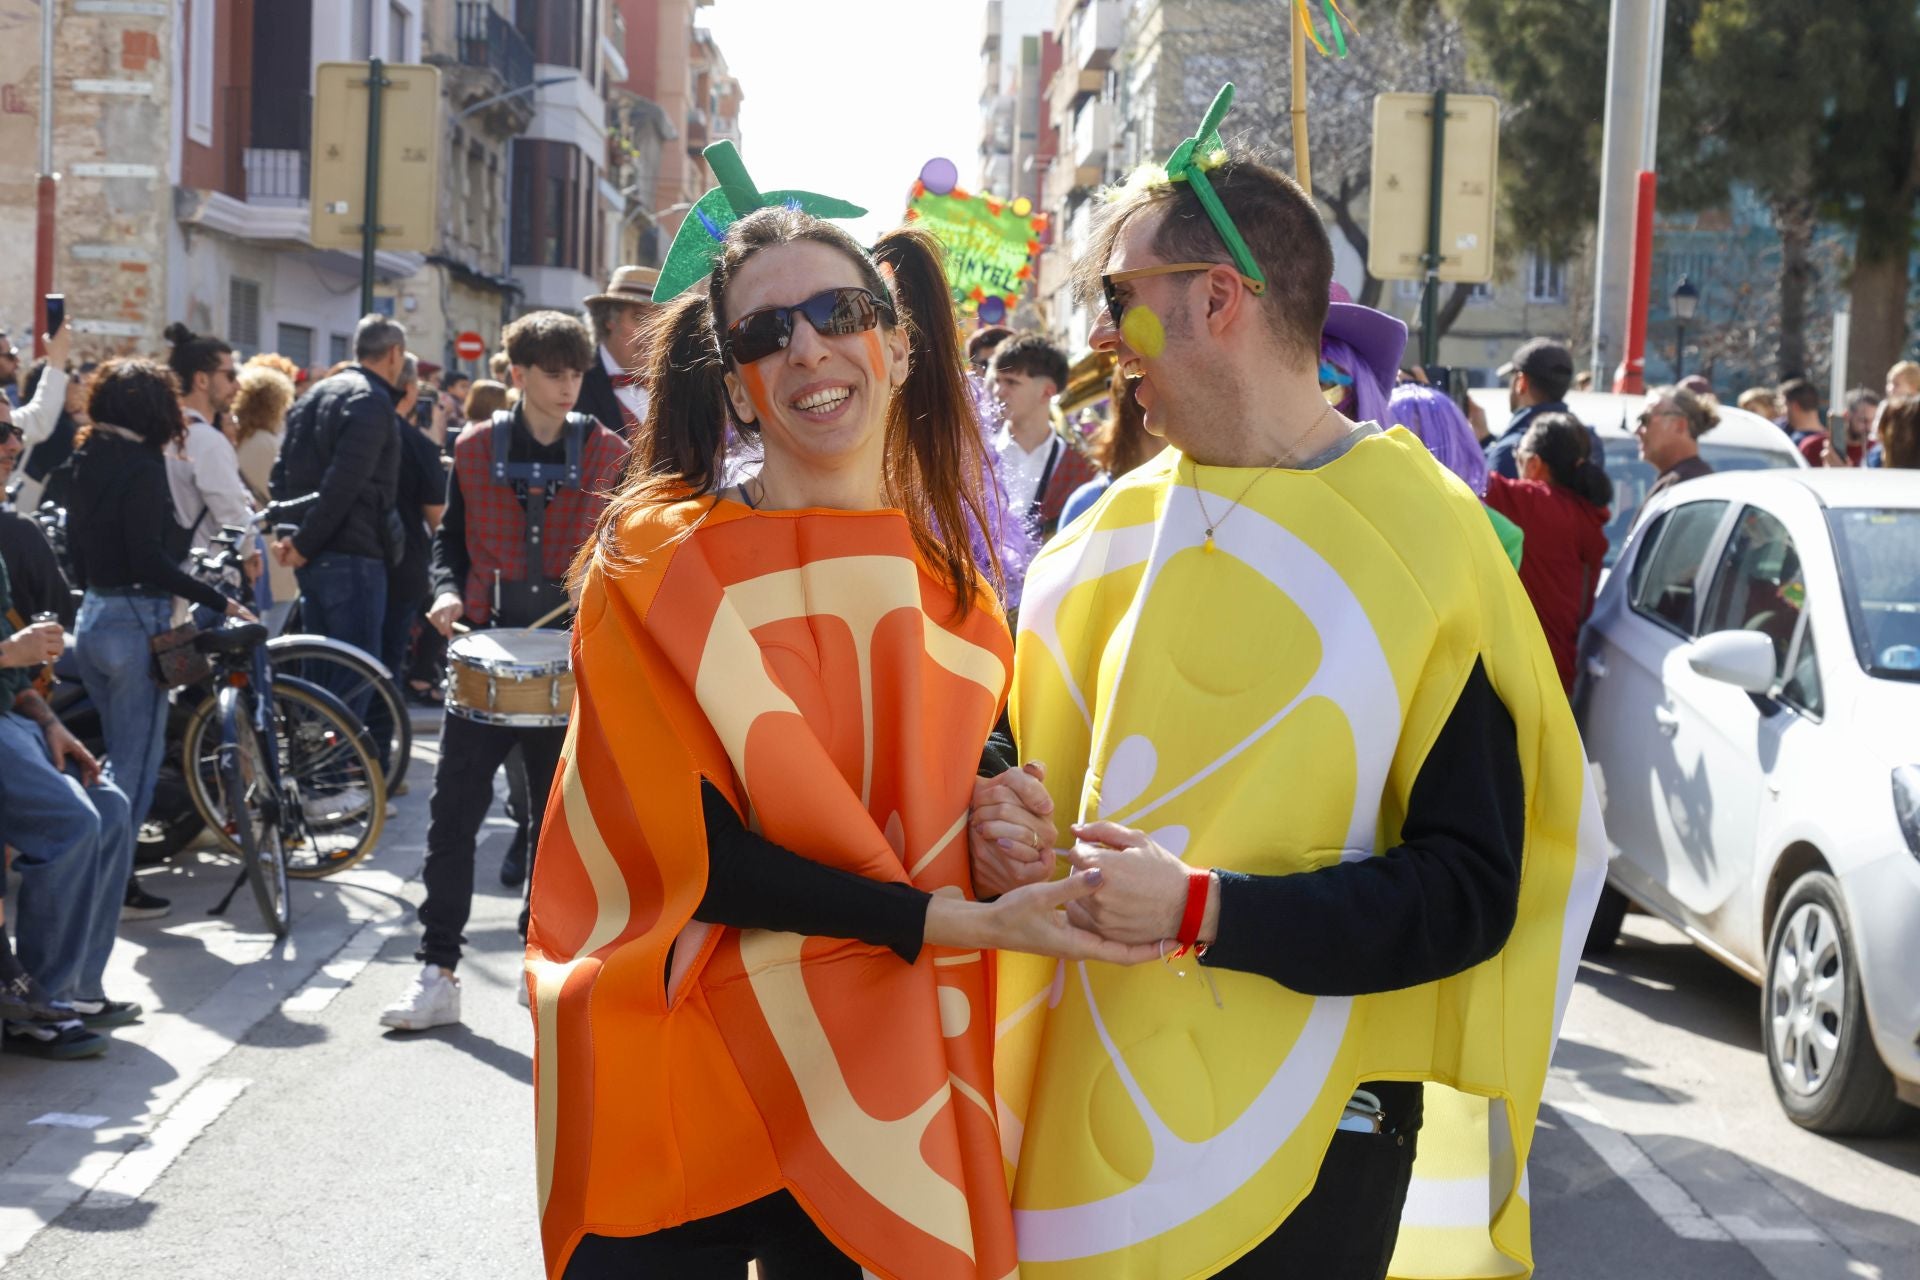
x,y
876,358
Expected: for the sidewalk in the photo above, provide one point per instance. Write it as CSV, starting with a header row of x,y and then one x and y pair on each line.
x,y
330,1123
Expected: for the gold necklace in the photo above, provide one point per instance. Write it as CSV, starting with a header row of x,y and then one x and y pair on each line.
x,y
1213,524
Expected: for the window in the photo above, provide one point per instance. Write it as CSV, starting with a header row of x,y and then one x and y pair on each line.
x,y
243,314
295,342
361,36
200,72
1668,568
397,18
552,199
337,348
552,27
1546,278
1760,586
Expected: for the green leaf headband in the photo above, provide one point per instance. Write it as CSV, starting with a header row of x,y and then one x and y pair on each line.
x,y
696,246
1189,164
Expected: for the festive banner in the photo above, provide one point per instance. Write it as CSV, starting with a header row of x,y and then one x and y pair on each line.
x,y
990,243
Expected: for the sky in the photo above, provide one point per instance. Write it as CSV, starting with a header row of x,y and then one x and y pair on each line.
x,y
850,98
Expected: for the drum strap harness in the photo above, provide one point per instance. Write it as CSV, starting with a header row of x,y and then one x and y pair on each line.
x,y
535,483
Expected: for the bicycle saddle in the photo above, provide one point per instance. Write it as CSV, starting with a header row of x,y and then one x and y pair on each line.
x,y
231,640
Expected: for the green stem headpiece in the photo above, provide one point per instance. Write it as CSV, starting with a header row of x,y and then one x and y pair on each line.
x,y
1189,164
696,246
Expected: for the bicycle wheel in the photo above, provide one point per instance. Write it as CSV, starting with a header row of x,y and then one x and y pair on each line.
x,y
334,794
360,681
246,787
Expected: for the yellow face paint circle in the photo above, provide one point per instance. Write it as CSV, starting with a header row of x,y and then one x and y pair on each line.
x,y
1022,207
1143,332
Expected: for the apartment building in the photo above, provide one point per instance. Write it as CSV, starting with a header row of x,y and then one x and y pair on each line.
x,y
677,99
1018,56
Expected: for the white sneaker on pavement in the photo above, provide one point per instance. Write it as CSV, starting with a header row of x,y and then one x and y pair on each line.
x,y
432,999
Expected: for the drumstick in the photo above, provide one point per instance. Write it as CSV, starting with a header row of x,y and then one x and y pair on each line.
x,y
460,628
545,618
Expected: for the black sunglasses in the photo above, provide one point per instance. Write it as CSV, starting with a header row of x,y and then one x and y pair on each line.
x,y
832,313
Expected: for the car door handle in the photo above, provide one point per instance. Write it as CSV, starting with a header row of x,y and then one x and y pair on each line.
x,y
1597,667
1669,723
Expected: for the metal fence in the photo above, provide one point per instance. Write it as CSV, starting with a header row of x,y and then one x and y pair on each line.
x,y
489,40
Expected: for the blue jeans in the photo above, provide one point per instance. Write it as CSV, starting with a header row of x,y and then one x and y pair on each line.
x,y
345,597
116,666
74,852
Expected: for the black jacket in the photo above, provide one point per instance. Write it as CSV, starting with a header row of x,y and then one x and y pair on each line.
x,y
597,399
343,441
120,521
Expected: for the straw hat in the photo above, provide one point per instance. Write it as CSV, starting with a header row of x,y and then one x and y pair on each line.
x,y
630,285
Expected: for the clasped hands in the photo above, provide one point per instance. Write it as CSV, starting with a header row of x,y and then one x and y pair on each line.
x,y
1123,902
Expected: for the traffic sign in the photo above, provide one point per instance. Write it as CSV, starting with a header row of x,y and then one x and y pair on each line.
x,y
470,346
1402,181
409,170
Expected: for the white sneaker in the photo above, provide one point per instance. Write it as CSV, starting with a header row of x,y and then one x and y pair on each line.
x,y
333,808
432,999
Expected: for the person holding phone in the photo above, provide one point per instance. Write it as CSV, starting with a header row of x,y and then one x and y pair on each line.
x,y
38,417
1844,443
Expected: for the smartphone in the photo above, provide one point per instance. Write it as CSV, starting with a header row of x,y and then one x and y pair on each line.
x,y
56,312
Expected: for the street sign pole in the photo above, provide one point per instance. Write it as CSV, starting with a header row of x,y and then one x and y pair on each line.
x,y
1430,298
370,228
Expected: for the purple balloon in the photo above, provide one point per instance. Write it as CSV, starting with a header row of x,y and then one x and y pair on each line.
x,y
993,310
940,175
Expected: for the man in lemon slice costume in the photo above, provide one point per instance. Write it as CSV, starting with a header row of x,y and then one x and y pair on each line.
x,y
1292,688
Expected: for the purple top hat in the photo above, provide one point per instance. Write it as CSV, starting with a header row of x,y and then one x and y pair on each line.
x,y
1376,338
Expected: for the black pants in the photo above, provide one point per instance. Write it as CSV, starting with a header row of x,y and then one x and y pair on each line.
x,y
1346,1227
470,754
774,1230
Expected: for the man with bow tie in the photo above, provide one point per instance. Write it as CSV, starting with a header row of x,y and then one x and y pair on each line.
x,y
614,389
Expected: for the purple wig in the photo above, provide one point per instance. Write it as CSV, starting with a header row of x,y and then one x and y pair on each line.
x,y
1011,537
1365,401
1432,415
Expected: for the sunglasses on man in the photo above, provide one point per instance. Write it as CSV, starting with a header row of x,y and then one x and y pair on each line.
x,y
1117,306
833,313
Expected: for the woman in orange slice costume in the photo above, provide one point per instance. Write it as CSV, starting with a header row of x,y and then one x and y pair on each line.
x,y
762,989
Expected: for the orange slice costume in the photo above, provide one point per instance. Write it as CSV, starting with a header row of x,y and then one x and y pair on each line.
x,y
810,667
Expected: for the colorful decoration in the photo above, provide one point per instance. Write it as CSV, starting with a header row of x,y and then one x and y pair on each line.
x,y
940,175
990,242
1189,163
697,244
1334,35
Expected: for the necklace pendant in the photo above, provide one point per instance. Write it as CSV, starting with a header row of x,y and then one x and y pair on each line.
x,y
1207,546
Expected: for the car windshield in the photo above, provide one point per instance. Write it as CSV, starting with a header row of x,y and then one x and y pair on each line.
x,y
1632,477
1879,554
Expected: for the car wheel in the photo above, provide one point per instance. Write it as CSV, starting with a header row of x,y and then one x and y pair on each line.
x,y
1826,1072
1607,918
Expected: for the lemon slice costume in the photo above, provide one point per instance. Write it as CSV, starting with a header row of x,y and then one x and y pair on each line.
x,y
1264,705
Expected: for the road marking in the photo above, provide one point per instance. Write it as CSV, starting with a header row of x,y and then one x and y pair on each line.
x,y
337,974
1667,1198
136,1172
68,1120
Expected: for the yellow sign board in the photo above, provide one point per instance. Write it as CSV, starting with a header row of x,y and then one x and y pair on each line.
x,y
409,187
1402,187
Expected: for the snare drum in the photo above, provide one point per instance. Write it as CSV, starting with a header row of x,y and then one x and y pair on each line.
x,y
514,677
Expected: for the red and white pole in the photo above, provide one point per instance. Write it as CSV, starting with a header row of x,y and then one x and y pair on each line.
x,y
1631,377
45,195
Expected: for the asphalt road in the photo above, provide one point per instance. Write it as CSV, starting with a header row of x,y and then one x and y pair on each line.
x,y
260,1122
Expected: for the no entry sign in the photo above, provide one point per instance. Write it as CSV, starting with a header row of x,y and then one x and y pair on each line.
x,y
470,346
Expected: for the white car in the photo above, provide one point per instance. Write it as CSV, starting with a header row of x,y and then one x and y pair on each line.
x,y
1749,693
1740,441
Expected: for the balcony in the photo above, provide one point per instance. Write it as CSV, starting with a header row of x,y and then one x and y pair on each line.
x,y
488,41
1092,142
264,142
1071,87
990,37
697,134
1096,33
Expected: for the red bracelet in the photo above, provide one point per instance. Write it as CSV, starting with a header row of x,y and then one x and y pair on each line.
x,y
1199,881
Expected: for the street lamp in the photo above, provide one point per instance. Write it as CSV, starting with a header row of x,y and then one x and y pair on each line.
x,y
1686,299
531,87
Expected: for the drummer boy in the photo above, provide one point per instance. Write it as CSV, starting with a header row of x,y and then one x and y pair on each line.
x,y
526,489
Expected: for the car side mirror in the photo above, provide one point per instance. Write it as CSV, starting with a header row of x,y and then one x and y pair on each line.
x,y
1743,659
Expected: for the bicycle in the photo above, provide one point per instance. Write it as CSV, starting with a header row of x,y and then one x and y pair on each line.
x,y
287,810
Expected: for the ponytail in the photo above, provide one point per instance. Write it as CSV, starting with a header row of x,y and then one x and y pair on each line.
x,y
936,459
1563,445
680,451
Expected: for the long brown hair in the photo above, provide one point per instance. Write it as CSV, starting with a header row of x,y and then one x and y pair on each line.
x,y
934,461
1123,442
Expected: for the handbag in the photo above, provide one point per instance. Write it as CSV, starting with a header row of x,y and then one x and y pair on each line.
x,y
176,663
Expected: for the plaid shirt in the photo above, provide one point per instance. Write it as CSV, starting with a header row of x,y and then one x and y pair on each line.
x,y
496,518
